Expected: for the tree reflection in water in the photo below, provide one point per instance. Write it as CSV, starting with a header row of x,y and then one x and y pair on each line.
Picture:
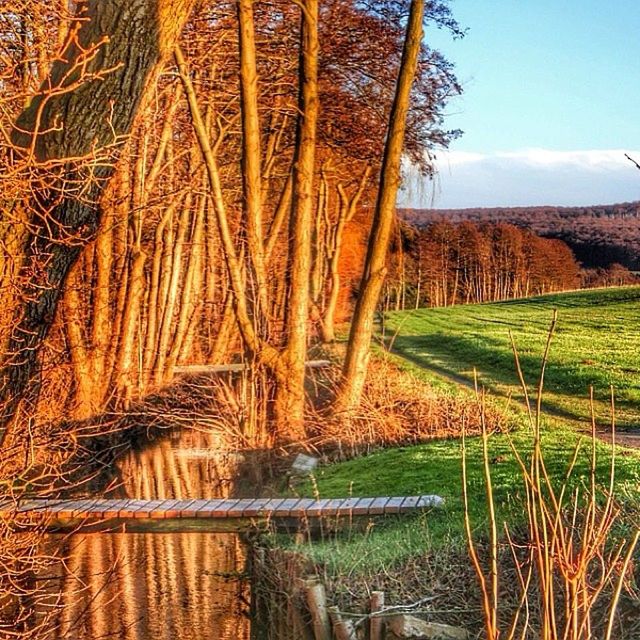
x,y
159,586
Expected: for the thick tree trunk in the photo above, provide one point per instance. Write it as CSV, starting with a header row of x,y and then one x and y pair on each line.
x,y
96,109
357,357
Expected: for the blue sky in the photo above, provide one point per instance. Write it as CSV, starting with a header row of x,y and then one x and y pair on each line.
x,y
551,103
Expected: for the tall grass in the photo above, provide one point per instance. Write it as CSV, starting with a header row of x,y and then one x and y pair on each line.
x,y
569,559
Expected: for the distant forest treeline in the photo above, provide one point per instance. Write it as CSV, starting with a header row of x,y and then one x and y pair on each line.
x,y
599,235
445,263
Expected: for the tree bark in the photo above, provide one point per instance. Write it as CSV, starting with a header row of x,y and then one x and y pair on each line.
x,y
251,149
290,396
96,104
357,356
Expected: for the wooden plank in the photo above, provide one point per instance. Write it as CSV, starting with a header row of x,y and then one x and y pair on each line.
x,y
183,507
362,507
40,506
32,505
301,507
332,507
409,504
239,507
377,506
111,508
77,507
235,367
272,506
220,509
191,511
169,510
196,369
347,506
146,508
141,508
53,506
286,508
393,505
61,508
128,509
99,507
159,513
232,508
315,509
256,509
210,507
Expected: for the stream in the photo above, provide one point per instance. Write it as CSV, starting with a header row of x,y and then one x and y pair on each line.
x,y
160,586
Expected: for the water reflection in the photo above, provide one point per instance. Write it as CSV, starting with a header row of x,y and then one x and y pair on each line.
x,y
159,586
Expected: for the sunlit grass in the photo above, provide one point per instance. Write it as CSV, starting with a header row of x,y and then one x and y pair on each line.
x,y
596,343
435,468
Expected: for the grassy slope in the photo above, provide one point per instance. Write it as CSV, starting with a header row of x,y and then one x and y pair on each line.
x,y
596,342
435,467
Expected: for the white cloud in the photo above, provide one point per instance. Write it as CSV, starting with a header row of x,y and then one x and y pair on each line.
x,y
528,177
536,156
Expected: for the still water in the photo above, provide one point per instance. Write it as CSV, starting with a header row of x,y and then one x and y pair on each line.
x,y
158,586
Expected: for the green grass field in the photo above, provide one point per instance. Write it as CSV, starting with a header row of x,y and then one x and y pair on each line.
x,y
596,343
435,468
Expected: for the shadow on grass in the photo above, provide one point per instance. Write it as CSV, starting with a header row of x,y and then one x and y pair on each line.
x,y
451,355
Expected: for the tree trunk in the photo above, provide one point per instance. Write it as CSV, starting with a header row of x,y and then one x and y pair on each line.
x,y
96,101
357,357
290,397
263,351
126,361
251,149
101,321
190,281
155,301
83,406
166,331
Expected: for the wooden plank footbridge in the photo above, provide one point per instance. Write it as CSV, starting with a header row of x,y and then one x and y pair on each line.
x,y
224,514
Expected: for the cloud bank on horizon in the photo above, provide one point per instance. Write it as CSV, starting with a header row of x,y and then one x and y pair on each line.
x,y
526,177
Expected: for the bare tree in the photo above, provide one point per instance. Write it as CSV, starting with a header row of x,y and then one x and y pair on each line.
x,y
357,357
